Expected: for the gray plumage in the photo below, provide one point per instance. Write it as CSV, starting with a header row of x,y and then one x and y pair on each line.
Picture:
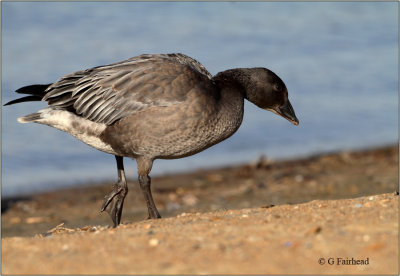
x,y
108,93
153,106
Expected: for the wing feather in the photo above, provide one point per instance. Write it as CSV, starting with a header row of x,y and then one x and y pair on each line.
x,y
108,93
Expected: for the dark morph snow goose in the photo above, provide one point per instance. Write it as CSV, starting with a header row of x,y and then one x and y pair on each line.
x,y
156,106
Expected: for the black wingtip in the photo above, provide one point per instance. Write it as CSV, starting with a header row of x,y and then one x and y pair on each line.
x,y
24,99
36,92
35,89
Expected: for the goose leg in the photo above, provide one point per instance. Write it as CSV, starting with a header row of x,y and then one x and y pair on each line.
x,y
144,182
117,195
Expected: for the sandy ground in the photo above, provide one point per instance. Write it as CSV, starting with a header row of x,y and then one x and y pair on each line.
x,y
327,214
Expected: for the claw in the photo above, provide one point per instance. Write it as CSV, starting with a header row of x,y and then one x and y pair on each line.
x,y
116,210
117,195
153,214
108,198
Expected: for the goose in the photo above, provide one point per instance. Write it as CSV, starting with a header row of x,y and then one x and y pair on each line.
x,y
153,106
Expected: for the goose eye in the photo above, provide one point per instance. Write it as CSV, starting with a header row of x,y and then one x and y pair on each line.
x,y
277,87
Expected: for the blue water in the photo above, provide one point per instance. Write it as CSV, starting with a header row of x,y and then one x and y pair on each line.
x,y
339,61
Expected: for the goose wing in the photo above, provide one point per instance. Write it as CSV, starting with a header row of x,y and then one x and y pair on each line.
x,y
108,93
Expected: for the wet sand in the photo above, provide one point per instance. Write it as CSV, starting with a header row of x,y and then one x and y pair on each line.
x,y
264,217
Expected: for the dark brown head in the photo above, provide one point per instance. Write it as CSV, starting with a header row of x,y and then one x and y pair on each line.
x,y
266,90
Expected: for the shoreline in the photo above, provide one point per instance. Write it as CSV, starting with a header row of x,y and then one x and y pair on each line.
x,y
225,220
262,182
89,183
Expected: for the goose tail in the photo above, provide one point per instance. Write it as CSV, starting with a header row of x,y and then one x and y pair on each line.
x,y
34,117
